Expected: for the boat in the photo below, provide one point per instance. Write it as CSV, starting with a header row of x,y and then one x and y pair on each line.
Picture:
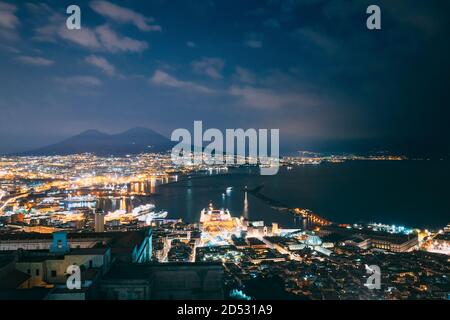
x,y
149,217
116,215
144,209
211,214
76,202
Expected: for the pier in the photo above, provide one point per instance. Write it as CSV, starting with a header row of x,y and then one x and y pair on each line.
x,y
305,214
311,216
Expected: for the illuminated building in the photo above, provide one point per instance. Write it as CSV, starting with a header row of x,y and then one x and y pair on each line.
x,y
218,226
440,244
99,221
313,241
213,215
132,246
366,239
447,228
395,243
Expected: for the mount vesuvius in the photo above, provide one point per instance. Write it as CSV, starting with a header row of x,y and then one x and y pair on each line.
x,y
133,141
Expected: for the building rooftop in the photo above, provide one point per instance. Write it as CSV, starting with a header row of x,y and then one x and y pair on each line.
x,y
443,237
20,294
13,279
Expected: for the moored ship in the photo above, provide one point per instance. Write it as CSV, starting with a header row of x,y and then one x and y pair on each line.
x,y
149,217
143,209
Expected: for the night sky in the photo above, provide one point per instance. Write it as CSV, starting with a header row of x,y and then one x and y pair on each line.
x,y
308,67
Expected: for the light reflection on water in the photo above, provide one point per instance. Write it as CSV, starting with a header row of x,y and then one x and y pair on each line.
x,y
410,193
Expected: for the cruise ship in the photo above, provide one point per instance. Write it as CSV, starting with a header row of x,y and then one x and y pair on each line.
x,y
211,215
149,217
116,215
77,202
217,226
143,213
144,209
146,214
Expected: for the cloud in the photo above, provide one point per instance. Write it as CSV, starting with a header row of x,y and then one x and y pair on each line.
x,y
212,67
112,42
255,44
80,80
101,38
8,18
84,37
244,75
124,15
8,21
262,98
319,40
10,49
162,78
56,28
190,44
102,64
36,61
253,40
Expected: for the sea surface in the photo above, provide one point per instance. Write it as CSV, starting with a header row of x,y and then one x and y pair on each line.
x,y
409,193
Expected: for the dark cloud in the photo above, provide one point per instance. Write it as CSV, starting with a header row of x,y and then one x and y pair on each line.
x,y
308,67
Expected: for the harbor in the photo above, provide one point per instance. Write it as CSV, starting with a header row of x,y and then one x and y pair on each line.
x,y
309,219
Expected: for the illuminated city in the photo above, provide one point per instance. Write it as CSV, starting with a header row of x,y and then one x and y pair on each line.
x,y
244,152
69,195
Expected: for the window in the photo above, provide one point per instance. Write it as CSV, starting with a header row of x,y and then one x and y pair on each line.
x,y
53,273
37,272
90,264
59,244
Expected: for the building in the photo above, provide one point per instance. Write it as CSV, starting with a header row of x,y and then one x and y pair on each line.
x,y
259,230
367,239
166,281
99,221
395,242
130,246
42,273
10,278
46,271
440,244
51,269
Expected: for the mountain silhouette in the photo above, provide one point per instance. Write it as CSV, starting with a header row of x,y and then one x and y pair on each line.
x,y
133,141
